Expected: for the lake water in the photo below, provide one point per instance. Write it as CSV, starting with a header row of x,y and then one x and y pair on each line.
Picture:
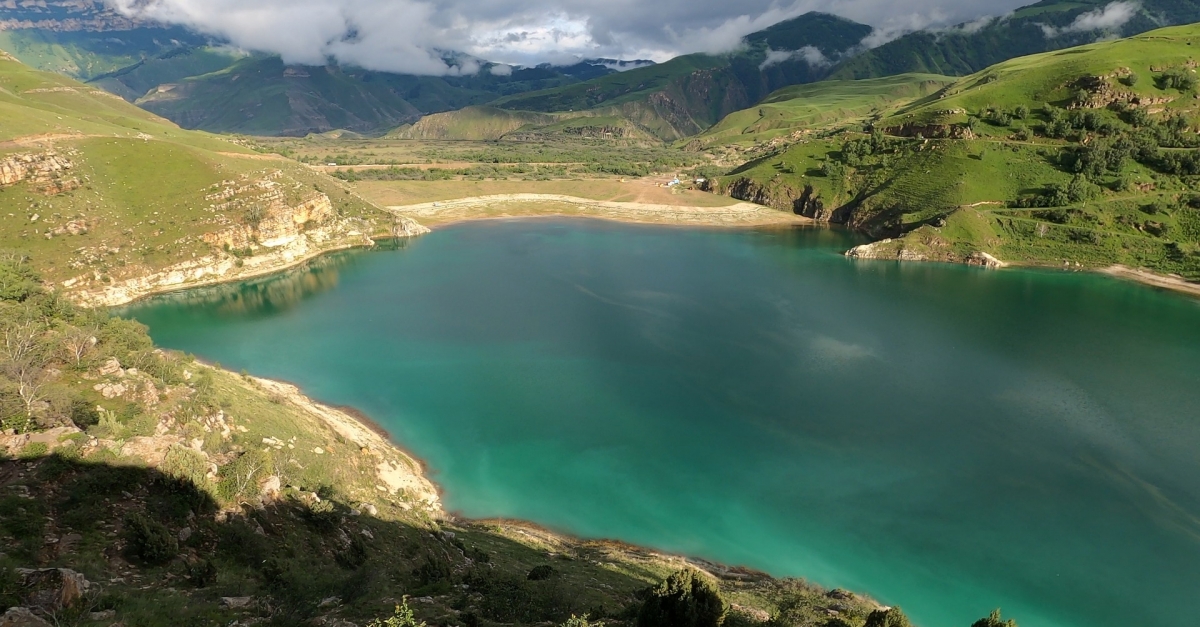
x,y
945,438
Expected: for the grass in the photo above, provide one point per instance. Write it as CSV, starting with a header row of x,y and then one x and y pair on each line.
x,y
817,105
946,173
141,187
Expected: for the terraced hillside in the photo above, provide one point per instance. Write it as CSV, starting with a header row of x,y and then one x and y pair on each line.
x,y
1087,157
111,201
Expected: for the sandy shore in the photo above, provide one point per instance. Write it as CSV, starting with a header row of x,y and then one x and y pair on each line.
x,y
1144,277
742,214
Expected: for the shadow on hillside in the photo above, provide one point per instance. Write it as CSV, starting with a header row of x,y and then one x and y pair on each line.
x,y
163,552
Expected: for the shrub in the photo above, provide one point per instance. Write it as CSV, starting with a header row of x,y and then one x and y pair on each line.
x,y
1177,78
148,540
891,617
202,573
34,450
994,620
688,598
540,573
185,464
403,617
18,281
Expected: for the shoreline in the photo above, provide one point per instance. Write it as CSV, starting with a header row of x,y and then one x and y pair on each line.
x,y
357,426
1151,279
740,214
1116,271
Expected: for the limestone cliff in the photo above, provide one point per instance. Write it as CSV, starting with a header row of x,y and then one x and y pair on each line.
x,y
45,172
275,224
910,248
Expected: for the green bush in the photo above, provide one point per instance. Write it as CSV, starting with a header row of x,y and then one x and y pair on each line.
x,y
540,573
994,620
891,617
688,598
403,617
149,540
202,573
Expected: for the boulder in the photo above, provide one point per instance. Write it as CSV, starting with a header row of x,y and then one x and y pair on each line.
x,y
52,588
21,617
111,367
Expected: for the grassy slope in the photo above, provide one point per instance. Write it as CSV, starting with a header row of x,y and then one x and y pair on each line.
x,y
815,104
144,183
1137,216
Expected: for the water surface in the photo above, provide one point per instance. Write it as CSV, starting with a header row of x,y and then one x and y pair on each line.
x,y
945,438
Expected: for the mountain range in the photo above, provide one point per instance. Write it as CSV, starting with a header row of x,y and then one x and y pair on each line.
x,y
201,83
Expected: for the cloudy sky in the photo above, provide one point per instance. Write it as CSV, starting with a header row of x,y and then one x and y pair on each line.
x,y
404,35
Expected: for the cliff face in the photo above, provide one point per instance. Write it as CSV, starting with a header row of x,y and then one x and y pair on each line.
x,y
806,202
275,224
45,172
64,16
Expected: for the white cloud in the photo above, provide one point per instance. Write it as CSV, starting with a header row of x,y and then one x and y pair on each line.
x,y
1112,16
501,70
411,36
810,54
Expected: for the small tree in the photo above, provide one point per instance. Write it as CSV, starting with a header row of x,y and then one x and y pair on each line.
x,y
149,540
688,598
403,617
994,620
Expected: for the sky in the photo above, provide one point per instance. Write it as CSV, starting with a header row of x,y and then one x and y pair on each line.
x,y
406,36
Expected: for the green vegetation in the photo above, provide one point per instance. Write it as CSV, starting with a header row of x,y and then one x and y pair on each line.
x,y
688,598
1056,158
807,107
114,192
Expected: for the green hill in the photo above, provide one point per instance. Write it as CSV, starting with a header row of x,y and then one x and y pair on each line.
x,y
688,94
802,108
1085,156
1039,27
103,194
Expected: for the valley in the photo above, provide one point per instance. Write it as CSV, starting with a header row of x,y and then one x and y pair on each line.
x,y
793,309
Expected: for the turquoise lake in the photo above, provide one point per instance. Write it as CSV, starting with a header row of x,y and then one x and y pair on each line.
x,y
946,439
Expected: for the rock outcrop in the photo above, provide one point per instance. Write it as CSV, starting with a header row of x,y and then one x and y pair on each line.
x,y
45,172
806,202
274,223
902,250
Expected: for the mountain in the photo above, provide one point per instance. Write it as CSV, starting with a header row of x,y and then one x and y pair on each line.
x,y
688,94
202,84
1086,156
1044,26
